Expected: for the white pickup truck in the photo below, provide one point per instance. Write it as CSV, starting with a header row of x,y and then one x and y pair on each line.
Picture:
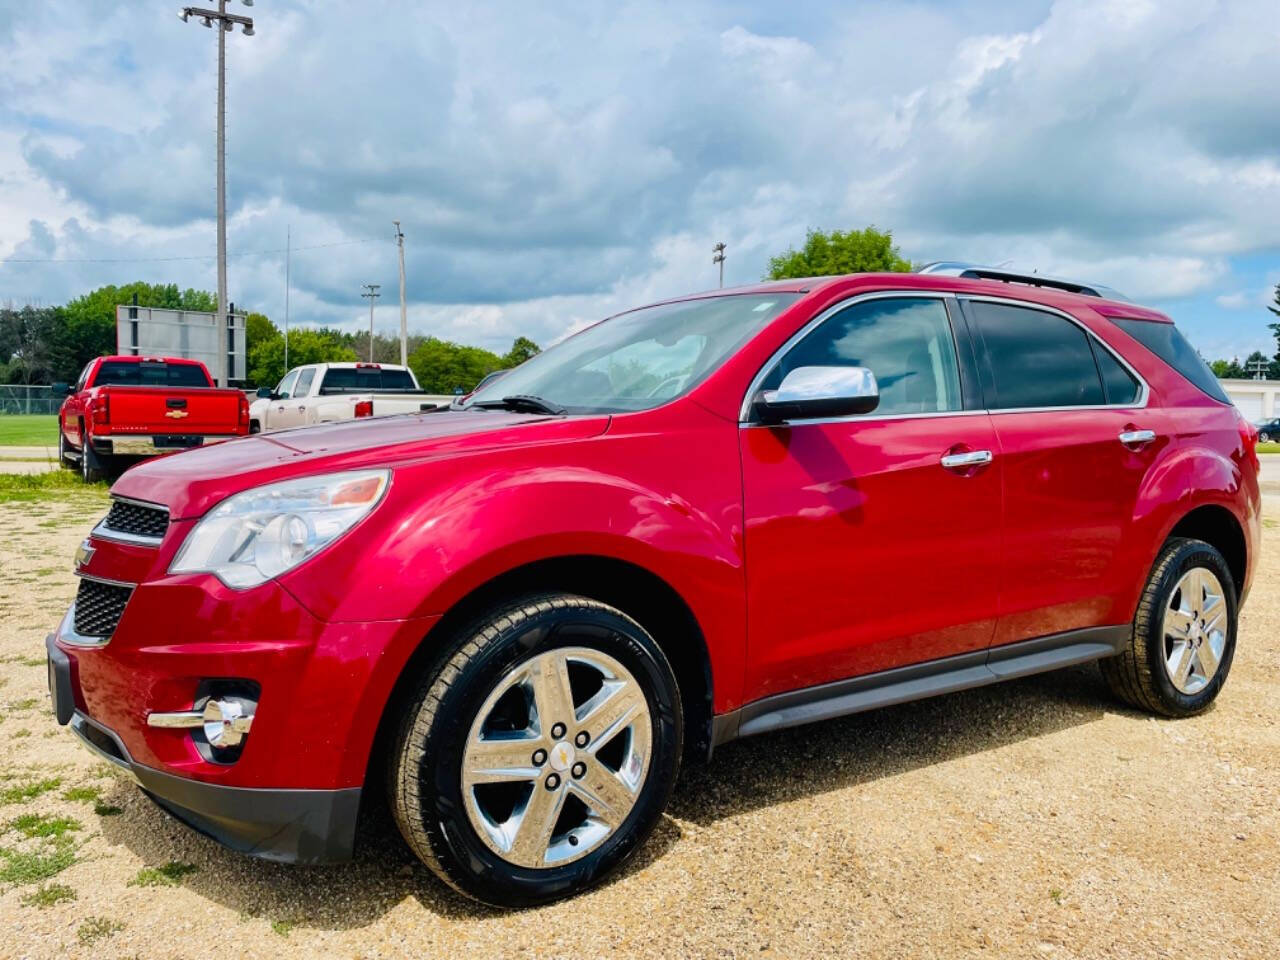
x,y
325,392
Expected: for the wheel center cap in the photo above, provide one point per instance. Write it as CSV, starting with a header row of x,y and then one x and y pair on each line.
x,y
562,756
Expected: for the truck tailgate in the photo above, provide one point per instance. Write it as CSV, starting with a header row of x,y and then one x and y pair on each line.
x,y
182,410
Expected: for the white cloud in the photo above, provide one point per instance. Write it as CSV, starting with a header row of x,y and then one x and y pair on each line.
x,y
554,164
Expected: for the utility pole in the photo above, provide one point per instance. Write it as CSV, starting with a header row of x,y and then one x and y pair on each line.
x,y
404,322
718,250
226,23
371,291
288,246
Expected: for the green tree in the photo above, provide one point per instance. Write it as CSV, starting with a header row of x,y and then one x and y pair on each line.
x,y
825,254
264,363
1273,373
522,348
306,345
1224,369
442,366
33,345
91,319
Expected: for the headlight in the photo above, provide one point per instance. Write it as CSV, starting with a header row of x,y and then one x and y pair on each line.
x,y
259,534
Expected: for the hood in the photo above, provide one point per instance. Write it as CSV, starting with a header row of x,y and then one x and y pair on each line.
x,y
188,483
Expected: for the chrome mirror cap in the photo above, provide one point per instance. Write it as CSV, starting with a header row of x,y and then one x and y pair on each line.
x,y
814,392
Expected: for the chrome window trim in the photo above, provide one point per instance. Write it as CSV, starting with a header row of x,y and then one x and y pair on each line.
x,y
744,412
1144,391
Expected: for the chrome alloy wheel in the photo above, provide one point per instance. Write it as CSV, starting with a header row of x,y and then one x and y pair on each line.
x,y
1195,631
556,757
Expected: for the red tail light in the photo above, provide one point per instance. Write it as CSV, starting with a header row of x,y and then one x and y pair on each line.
x,y
244,412
102,411
1248,438
364,408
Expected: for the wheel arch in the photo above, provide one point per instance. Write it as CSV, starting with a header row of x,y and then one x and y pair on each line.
x,y
636,591
1218,527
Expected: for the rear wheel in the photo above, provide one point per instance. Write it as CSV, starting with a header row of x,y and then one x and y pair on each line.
x,y
91,466
1184,633
1264,437
64,457
541,754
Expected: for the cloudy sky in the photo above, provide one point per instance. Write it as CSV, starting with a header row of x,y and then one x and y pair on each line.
x,y
554,162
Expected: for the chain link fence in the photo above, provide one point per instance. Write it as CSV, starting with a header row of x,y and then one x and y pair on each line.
x,y
16,398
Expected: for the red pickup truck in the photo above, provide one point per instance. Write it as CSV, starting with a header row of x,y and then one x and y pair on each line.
x,y
129,407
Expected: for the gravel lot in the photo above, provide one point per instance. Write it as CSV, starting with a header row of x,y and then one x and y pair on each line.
x,y
1037,818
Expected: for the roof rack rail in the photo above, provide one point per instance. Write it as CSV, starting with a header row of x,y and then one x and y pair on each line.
x,y
974,271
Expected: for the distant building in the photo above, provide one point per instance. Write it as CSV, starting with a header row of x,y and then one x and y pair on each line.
x,y
1256,399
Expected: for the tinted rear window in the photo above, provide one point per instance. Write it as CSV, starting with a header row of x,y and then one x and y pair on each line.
x,y
366,380
1119,383
150,374
1167,343
1038,359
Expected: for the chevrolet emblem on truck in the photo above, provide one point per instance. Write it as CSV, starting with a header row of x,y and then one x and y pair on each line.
x,y
176,414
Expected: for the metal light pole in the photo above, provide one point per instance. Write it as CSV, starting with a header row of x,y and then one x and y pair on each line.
x,y
404,323
226,23
718,250
371,291
288,250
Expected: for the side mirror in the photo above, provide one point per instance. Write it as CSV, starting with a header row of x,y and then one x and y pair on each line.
x,y
264,393
61,389
809,393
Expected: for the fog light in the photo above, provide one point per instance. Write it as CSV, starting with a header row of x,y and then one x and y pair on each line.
x,y
225,723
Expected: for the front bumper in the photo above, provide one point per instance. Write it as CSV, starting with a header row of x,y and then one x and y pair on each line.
x,y
290,825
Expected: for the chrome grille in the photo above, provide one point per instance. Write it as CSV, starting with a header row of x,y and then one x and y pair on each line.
x,y
136,520
99,606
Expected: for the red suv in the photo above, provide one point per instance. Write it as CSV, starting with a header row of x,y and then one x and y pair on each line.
x,y
704,519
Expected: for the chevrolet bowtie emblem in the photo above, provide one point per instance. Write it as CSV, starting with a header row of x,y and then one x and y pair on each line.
x,y
176,414
84,553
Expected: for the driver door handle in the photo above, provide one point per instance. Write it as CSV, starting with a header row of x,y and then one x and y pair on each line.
x,y
970,458
1136,438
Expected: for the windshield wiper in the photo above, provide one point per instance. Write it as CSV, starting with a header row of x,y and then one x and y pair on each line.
x,y
522,403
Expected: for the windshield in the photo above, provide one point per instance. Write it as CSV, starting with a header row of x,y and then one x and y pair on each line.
x,y
641,359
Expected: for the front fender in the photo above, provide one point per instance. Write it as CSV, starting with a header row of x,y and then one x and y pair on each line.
x,y
449,526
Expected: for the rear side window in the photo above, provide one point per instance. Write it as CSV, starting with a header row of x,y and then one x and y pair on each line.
x,y
366,380
1167,343
1119,384
150,374
1038,359
905,342
304,382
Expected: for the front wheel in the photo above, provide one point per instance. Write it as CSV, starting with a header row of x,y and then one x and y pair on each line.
x,y
541,753
1184,633
1264,437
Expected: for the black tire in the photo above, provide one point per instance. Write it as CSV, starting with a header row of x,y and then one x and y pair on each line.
x,y
64,459
1264,437
254,427
92,469
1139,675
425,770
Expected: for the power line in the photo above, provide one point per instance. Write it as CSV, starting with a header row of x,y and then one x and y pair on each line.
x,y
244,253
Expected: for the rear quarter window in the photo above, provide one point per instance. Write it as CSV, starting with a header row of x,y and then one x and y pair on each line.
x,y
1168,343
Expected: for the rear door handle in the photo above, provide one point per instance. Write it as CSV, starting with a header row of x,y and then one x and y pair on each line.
x,y
1136,438
970,458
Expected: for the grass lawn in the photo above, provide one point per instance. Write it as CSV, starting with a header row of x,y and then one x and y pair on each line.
x,y
28,430
1269,447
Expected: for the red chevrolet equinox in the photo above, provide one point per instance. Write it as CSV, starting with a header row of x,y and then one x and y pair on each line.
x,y
704,519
